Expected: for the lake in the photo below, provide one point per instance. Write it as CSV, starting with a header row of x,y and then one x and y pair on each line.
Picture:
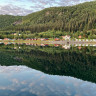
x,y
47,70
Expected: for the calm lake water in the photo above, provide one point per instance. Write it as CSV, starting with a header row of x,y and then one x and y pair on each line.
x,y
33,70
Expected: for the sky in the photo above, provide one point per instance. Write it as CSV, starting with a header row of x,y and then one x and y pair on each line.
x,y
24,7
21,80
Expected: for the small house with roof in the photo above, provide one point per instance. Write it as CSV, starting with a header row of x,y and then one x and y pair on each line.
x,y
66,37
79,36
6,39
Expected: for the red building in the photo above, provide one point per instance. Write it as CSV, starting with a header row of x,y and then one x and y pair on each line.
x,y
57,39
80,37
5,39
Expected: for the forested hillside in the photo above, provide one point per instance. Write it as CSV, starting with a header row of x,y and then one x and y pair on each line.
x,y
79,19
72,18
7,20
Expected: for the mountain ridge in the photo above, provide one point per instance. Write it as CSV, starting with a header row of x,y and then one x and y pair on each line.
x,y
81,17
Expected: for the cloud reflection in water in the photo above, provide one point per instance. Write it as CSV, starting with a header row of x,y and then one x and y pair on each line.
x,y
24,81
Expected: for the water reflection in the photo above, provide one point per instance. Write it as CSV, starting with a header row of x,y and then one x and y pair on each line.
x,y
65,46
58,70
23,81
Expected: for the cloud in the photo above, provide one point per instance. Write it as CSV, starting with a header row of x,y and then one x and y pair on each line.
x,y
59,2
13,10
41,4
26,80
71,2
24,7
12,69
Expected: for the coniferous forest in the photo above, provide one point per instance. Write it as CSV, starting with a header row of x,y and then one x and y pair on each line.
x,y
78,20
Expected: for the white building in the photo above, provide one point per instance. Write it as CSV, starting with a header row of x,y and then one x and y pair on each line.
x,y
67,37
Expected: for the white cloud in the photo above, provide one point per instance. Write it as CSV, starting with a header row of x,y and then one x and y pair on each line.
x,y
24,7
13,10
26,80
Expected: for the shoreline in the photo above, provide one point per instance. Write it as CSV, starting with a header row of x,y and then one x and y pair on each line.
x,y
49,42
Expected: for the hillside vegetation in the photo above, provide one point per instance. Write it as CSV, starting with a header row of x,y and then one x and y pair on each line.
x,y
79,19
72,18
7,20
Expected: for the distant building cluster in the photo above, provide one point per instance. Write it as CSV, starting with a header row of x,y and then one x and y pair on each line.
x,y
64,38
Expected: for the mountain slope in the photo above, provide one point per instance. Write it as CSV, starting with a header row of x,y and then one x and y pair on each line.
x,y
7,20
73,18
79,19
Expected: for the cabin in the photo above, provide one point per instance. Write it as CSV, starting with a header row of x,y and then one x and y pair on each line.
x,y
28,39
5,39
94,39
15,34
66,37
80,37
42,45
35,39
57,39
42,39
87,40
46,39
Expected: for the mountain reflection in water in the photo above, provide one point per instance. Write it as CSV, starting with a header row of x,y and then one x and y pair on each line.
x,y
57,74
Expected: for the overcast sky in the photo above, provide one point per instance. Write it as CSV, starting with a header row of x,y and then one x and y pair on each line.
x,y
24,7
